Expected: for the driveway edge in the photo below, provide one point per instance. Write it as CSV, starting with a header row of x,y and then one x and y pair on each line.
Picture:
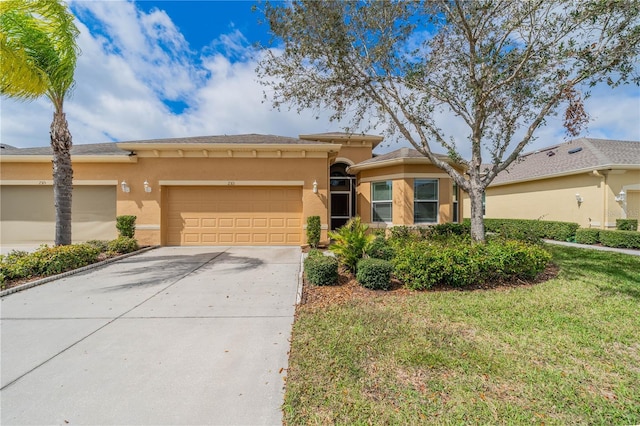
x,y
45,280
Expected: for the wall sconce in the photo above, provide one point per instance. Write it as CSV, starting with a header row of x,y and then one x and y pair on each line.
x,y
315,186
147,188
125,187
579,199
621,196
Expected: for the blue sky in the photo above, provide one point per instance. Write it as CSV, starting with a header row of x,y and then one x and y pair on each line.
x,y
161,69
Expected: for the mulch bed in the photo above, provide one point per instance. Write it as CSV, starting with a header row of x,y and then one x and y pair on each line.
x,y
348,289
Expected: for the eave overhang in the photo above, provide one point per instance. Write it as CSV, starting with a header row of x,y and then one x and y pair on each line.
x,y
74,159
588,170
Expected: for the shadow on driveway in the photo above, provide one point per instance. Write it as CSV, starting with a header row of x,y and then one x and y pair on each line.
x,y
153,271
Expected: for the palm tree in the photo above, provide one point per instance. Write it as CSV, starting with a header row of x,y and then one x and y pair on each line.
x,y
39,53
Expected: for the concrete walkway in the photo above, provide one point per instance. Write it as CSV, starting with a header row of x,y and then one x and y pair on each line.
x,y
170,336
592,247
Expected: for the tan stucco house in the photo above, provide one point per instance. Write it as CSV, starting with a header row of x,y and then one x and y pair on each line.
x,y
224,190
589,181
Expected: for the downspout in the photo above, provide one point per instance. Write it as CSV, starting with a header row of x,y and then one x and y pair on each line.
x,y
603,224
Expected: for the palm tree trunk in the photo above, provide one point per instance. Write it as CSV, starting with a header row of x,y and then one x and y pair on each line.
x,y
62,177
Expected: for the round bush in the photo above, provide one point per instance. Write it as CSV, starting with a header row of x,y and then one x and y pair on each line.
x,y
321,270
122,245
374,273
380,249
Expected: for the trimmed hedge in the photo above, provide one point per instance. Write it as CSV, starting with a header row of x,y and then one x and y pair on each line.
x,y
374,274
122,245
126,225
627,224
422,265
313,231
620,239
530,230
47,261
588,236
321,270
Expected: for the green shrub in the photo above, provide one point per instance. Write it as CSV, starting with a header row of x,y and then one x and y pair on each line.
x,y
459,263
126,225
530,230
101,245
620,239
380,249
448,229
321,270
350,242
374,273
313,231
315,253
122,245
405,233
48,261
627,224
588,236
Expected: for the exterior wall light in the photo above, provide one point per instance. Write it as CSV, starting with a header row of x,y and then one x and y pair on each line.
x,y
147,188
621,197
125,187
579,199
315,186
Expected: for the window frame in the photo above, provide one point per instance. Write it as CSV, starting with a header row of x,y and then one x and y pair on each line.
x,y
375,202
417,201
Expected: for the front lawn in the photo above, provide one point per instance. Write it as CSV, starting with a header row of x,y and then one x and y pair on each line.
x,y
566,351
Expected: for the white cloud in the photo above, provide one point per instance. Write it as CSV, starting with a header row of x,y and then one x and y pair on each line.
x,y
134,61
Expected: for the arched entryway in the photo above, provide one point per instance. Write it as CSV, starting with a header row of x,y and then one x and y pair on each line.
x,y
343,195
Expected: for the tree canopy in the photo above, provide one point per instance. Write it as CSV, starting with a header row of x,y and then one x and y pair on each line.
x,y
501,66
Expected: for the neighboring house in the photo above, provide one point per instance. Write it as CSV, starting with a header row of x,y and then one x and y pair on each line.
x,y
589,181
224,190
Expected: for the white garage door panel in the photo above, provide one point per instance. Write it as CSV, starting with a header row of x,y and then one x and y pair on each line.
x,y
234,216
27,214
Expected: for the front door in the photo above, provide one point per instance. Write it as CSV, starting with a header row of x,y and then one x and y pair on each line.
x,y
342,190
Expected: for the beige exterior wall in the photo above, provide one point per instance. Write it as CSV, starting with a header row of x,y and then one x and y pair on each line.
x,y
288,169
555,199
402,177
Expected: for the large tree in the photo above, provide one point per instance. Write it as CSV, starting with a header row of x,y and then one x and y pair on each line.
x,y
500,66
39,53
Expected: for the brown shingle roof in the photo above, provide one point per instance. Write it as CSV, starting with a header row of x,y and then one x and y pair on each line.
x,y
574,156
226,139
109,148
397,154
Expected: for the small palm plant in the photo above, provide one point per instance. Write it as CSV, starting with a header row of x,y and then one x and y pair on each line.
x,y
351,242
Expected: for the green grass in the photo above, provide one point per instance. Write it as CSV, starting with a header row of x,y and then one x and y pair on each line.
x,y
566,351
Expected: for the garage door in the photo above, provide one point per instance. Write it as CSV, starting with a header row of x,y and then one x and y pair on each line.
x,y
27,214
233,215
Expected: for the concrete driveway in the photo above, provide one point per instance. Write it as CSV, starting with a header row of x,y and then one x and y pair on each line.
x,y
175,335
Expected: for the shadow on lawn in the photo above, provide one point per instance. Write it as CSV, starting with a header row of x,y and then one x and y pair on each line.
x,y
613,273
157,270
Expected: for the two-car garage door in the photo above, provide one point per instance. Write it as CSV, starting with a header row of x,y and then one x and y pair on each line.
x,y
233,215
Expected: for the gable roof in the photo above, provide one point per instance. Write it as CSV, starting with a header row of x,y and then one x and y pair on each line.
x,y
576,156
399,156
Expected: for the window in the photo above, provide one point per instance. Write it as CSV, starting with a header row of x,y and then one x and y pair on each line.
x,y
381,201
425,201
456,194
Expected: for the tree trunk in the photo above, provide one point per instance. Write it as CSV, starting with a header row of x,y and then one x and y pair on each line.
x,y
62,177
477,221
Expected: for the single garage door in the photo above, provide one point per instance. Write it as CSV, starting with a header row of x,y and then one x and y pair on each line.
x,y
27,214
233,215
